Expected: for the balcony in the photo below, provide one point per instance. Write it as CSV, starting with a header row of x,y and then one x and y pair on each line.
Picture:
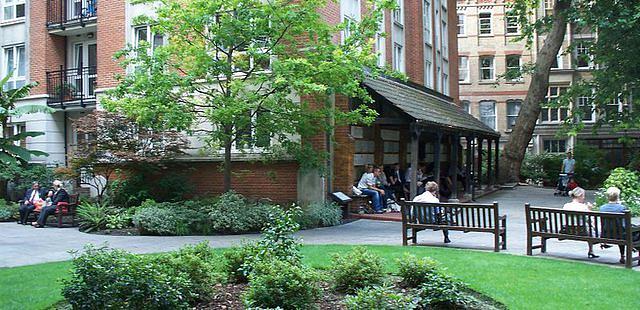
x,y
71,17
73,87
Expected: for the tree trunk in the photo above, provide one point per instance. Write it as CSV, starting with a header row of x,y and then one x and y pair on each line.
x,y
227,162
516,146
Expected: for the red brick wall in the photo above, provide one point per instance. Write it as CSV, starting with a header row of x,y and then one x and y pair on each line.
x,y
414,42
111,38
343,155
277,181
454,87
46,52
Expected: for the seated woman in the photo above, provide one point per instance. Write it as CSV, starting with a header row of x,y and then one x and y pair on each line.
x,y
431,195
614,206
578,204
59,195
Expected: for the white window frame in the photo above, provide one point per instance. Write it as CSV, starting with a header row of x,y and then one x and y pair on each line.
x,y
482,21
519,67
461,24
428,66
237,147
149,39
16,80
445,77
350,14
398,13
559,60
494,116
445,38
466,106
554,146
548,7
511,25
492,68
463,69
582,102
12,5
381,43
549,111
511,116
427,22
398,57
582,50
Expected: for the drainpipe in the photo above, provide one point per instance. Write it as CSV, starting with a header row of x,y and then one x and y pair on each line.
x,y
66,148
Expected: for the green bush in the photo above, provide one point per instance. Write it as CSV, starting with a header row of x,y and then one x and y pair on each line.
x,y
8,211
628,182
543,168
356,269
92,216
415,271
148,182
235,259
231,213
590,166
114,279
442,292
280,284
380,298
320,215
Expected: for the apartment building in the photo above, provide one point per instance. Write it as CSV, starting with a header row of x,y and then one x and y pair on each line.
x,y
67,47
487,49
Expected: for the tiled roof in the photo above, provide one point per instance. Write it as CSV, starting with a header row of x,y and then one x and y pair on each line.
x,y
417,102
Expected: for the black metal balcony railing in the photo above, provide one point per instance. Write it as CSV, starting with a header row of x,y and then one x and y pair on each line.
x,y
75,86
62,13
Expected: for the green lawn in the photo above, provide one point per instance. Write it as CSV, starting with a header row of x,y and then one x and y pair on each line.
x,y
517,281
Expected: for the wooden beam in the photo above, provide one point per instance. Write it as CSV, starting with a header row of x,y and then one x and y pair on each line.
x,y
479,147
468,165
390,121
415,140
453,165
489,163
497,156
436,155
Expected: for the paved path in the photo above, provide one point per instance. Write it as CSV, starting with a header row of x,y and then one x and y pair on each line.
x,y
22,245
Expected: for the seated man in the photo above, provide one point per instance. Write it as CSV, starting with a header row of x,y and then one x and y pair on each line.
x,y
431,195
59,195
368,186
31,198
614,206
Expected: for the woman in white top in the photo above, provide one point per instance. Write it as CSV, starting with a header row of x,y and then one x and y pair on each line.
x,y
431,195
578,204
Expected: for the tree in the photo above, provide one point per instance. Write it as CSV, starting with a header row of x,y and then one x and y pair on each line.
x,y
112,141
249,74
615,74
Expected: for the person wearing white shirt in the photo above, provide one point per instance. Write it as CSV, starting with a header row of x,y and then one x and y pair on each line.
x,y
430,195
578,204
31,197
368,185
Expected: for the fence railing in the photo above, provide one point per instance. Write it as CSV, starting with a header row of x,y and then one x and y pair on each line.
x,y
63,12
72,85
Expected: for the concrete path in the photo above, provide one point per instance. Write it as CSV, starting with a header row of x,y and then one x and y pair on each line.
x,y
22,245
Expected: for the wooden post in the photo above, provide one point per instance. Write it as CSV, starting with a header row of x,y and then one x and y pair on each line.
x,y
628,237
415,140
528,223
479,147
496,232
468,161
489,163
497,155
453,164
436,156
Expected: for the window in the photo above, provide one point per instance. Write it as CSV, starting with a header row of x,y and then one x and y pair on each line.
x,y
582,55
513,108
381,43
555,146
586,106
486,68
466,106
398,12
463,69
350,15
445,39
15,61
398,60
557,63
488,113
460,24
428,66
512,26
16,129
13,9
253,134
484,21
513,68
548,7
427,21
145,34
445,77
554,114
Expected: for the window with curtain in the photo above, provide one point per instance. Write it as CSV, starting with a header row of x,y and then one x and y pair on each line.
x,y
486,68
15,62
463,69
488,113
513,108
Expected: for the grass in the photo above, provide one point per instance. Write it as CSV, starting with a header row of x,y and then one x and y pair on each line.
x,y
517,281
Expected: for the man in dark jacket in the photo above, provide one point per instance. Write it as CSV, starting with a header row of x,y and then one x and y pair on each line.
x,y
34,194
59,195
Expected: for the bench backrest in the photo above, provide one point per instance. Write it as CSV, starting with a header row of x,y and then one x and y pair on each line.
x,y
587,224
470,215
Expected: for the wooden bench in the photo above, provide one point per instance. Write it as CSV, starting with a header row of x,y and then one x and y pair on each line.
x,y
589,226
464,217
65,209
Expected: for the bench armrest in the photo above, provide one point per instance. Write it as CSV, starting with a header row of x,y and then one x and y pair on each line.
x,y
635,228
502,217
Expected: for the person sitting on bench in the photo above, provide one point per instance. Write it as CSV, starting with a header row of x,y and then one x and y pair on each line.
x,y
431,195
368,186
32,197
577,204
614,206
59,195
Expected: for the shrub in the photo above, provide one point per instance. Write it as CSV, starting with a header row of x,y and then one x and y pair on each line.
x,y
276,283
169,219
380,297
320,215
590,165
415,271
356,269
231,213
442,292
541,168
628,182
114,279
92,216
235,260
8,211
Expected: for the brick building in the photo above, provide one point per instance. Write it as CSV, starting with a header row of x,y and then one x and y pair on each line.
x,y
487,49
66,46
